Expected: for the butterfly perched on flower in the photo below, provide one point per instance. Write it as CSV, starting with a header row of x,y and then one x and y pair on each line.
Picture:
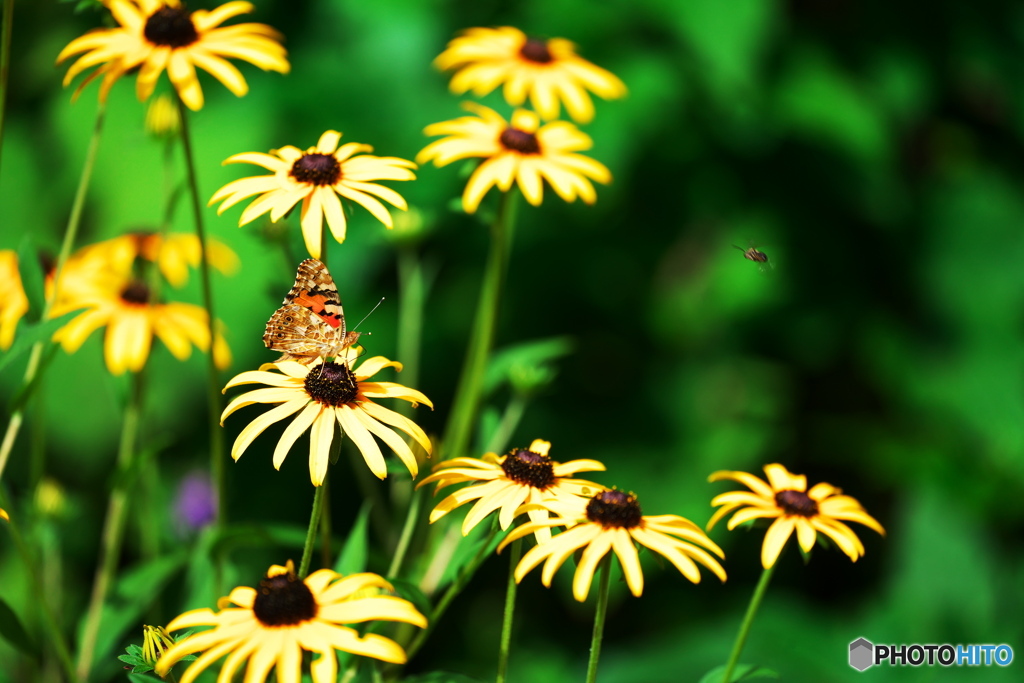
x,y
311,323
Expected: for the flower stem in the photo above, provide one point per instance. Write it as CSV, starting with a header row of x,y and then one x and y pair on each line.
x,y
70,233
213,382
602,610
113,528
5,59
468,395
412,287
510,607
748,620
411,517
314,520
49,621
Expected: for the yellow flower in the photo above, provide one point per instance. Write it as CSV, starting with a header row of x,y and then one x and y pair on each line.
x,y
153,35
612,521
522,152
155,642
100,279
785,497
524,476
316,177
325,393
162,117
545,70
274,624
13,302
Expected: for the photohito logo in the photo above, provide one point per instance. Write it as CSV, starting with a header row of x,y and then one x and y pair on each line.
x,y
864,654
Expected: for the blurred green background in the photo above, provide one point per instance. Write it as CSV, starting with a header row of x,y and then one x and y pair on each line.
x,y
873,151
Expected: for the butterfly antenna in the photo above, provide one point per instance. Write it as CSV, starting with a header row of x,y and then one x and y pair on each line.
x,y
368,315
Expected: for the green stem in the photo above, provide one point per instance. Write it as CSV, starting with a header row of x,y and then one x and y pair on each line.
x,y
54,635
602,610
70,233
413,291
213,381
314,520
5,60
113,528
412,515
325,523
748,620
457,433
510,607
453,590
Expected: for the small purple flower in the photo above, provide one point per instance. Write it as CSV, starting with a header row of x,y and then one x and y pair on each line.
x,y
195,505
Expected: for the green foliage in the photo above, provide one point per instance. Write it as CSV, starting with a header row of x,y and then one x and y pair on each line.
x,y
878,164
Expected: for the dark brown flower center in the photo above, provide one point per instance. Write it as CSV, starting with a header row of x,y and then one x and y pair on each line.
x,y
520,141
615,509
529,468
796,503
332,384
284,600
171,26
536,50
316,168
137,292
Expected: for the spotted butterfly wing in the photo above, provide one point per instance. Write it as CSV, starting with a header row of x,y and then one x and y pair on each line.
x,y
311,323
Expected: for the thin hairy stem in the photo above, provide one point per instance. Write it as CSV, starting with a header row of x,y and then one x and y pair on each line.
x,y
113,528
599,616
748,621
468,396
217,470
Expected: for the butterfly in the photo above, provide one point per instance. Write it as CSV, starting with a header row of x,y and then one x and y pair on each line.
x,y
311,323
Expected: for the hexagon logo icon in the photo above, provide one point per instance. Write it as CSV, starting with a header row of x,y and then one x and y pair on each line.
x,y
861,654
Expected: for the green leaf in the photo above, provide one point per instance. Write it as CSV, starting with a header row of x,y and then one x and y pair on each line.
x,y
353,556
466,551
30,334
742,672
33,279
531,354
141,678
13,632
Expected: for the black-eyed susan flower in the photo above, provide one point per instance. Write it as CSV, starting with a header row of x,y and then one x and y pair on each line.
x,y
546,71
13,302
522,151
273,624
100,279
506,482
317,177
785,497
154,35
612,521
324,394
174,253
